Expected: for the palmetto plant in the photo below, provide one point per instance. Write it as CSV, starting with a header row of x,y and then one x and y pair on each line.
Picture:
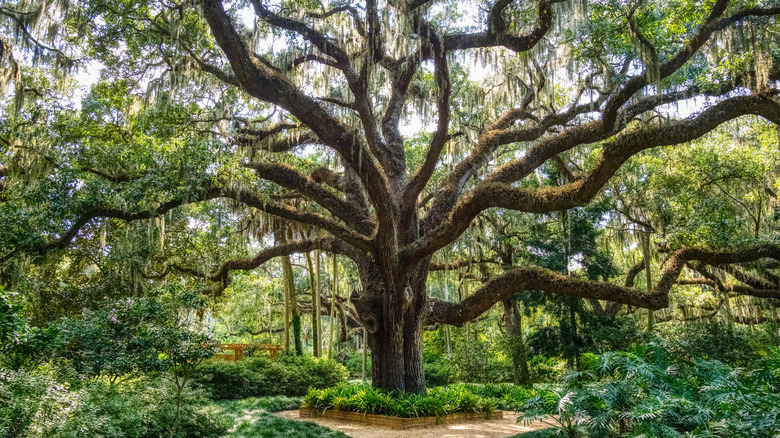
x,y
649,393
560,409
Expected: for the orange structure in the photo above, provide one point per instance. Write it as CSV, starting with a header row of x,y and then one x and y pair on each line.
x,y
238,351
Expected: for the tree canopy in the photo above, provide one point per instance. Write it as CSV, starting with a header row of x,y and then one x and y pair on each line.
x,y
220,135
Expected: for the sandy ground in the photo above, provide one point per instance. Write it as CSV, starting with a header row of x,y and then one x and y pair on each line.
x,y
505,427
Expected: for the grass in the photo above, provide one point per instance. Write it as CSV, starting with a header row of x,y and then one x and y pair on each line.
x,y
252,418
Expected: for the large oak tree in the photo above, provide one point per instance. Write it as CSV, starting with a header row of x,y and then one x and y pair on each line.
x,y
432,112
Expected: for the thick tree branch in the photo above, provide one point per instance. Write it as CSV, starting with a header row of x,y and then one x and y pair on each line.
x,y
337,229
222,273
489,194
272,87
319,40
712,24
287,176
359,26
440,137
497,36
75,227
588,133
535,278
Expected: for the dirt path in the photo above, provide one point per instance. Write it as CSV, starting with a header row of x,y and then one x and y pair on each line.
x,y
505,427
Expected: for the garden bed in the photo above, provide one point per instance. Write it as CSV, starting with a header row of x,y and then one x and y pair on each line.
x,y
396,422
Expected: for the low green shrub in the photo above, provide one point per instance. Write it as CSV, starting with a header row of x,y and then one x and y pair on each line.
x,y
481,362
353,361
438,370
35,404
257,377
506,396
438,402
546,369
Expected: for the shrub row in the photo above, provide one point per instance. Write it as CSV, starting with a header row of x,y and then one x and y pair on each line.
x,y
258,377
438,402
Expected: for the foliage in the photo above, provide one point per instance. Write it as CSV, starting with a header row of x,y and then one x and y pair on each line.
x,y
439,369
546,369
736,346
289,375
480,361
35,404
353,361
113,343
506,395
438,402
21,346
122,338
652,392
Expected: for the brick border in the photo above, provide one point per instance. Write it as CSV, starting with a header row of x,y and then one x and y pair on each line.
x,y
394,422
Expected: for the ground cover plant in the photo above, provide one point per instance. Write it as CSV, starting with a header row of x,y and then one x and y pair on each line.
x,y
506,396
251,418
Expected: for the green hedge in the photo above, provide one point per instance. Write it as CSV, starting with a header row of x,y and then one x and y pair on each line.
x,y
258,377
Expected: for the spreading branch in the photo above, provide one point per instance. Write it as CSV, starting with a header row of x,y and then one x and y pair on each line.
x,y
535,278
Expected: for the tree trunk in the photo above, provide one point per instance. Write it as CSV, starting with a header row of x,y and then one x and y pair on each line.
x,y
315,305
393,317
645,236
295,316
396,355
333,300
514,332
365,356
447,340
286,314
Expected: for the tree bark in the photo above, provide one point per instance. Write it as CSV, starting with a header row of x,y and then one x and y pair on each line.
x,y
394,320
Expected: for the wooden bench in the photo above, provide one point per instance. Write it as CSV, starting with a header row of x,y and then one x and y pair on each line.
x,y
238,351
